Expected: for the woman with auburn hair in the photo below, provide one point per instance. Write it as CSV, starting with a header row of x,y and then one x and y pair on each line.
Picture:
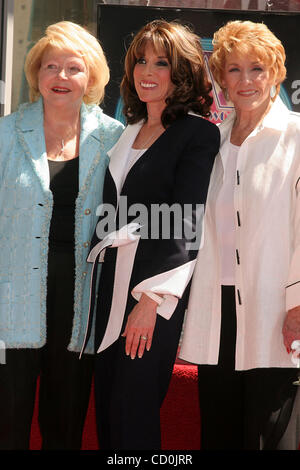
x,y
53,157
164,158
243,317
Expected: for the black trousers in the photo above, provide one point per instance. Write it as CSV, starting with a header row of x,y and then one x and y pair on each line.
x,y
242,410
65,380
129,393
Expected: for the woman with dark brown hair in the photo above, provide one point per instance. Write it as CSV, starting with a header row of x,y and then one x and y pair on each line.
x,y
163,159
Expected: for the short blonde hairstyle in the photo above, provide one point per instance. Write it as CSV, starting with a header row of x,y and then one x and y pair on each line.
x,y
252,39
66,35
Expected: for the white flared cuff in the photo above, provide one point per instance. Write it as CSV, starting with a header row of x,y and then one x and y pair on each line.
x,y
170,285
157,298
293,296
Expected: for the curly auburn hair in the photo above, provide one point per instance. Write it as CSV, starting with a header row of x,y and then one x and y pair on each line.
x,y
183,49
248,39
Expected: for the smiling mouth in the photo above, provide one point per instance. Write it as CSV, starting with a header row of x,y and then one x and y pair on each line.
x,y
148,85
247,93
60,90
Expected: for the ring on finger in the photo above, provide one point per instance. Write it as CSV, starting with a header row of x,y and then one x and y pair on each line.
x,y
144,338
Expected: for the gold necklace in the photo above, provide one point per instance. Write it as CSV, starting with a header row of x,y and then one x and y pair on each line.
x,y
60,155
62,149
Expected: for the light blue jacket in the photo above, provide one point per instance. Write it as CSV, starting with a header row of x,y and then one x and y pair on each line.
x,y
25,213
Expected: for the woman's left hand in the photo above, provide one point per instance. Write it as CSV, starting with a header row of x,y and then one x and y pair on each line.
x,y
140,327
291,327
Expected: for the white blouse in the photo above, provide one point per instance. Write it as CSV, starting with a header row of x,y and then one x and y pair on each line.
x,y
133,156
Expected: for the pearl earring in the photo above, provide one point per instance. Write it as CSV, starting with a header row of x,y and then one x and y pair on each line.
x,y
273,91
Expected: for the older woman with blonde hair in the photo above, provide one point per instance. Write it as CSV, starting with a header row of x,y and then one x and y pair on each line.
x,y
53,156
244,309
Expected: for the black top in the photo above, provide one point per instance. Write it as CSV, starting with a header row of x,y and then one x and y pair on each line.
x,y
64,186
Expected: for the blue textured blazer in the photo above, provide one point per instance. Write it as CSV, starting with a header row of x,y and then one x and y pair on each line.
x,y
25,214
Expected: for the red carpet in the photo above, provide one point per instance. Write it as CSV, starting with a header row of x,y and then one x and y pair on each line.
x,y
180,417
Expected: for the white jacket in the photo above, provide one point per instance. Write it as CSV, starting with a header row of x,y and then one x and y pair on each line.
x,y
267,273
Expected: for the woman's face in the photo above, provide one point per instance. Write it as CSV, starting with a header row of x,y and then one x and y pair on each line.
x,y
63,78
248,82
152,76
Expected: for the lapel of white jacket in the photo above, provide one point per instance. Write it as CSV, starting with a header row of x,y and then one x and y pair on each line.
x,y
226,126
120,152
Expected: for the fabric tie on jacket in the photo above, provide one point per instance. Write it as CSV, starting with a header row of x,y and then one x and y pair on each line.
x,y
126,241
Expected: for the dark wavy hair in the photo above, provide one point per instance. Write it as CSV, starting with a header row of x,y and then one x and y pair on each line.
x,y
184,52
